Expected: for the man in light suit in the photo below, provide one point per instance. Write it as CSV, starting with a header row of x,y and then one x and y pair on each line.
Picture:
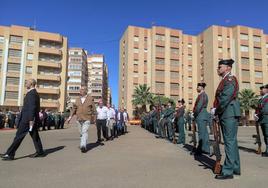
x,y
28,122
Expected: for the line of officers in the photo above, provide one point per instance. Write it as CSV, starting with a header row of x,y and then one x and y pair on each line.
x,y
164,120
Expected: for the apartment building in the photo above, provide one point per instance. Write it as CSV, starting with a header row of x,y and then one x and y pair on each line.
x,y
97,77
171,63
77,72
27,53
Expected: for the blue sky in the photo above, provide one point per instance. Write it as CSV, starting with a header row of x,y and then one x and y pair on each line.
x,y
98,25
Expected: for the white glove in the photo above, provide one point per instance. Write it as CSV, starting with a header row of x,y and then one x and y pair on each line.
x,y
256,118
213,111
192,115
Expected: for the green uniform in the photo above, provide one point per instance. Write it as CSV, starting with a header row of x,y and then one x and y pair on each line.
x,y
168,116
180,125
154,120
201,118
263,118
161,124
228,110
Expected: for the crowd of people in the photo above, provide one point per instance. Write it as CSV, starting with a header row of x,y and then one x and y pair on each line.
x,y
48,119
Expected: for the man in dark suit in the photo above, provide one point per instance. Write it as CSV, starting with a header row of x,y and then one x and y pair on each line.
x,y
28,122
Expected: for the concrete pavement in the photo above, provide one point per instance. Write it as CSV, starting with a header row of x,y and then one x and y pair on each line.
x,y
135,160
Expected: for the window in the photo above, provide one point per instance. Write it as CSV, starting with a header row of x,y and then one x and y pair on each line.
x,y
266,45
159,73
245,73
174,51
190,57
1,52
244,48
74,88
13,81
174,62
246,85
74,73
160,37
174,39
160,49
136,62
189,45
11,95
244,60
174,74
243,36
30,43
13,67
159,85
174,86
2,39
256,38
189,67
75,80
220,49
190,79
258,74
136,50
29,56
257,50
145,50
136,38
219,38
15,39
29,70
257,62
14,53
159,61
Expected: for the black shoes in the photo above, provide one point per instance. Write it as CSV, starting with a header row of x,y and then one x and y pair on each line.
x,y
83,150
223,177
7,157
36,155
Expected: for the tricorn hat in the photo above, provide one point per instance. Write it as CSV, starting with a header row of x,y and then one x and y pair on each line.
x,y
202,84
228,62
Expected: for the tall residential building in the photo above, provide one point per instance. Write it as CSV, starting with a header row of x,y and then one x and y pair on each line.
x,y
77,72
26,53
109,96
171,63
97,77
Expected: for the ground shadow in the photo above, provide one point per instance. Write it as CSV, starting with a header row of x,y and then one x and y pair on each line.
x,y
91,146
205,161
46,151
249,150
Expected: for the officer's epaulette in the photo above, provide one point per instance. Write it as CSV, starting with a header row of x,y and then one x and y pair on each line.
x,y
230,78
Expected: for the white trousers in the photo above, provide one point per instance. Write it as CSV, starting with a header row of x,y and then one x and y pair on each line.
x,y
83,130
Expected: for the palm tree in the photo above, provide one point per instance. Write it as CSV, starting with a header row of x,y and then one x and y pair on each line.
x,y
142,97
248,100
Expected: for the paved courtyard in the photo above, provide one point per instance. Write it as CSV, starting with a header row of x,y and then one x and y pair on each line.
x,y
134,160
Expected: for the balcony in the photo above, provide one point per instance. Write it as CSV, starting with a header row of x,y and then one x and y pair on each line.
x,y
52,64
159,43
174,44
12,87
50,51
13,74
174,80
159,67
48,77
48,90
47,103
14,59
15,46
174,92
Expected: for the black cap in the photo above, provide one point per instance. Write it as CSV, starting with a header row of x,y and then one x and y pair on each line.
x,y
228,62
182,101
202,84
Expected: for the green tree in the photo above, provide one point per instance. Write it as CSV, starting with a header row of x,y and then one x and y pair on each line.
x,y
248,100
142,97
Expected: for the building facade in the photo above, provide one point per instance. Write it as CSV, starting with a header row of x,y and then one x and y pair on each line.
x,y
26,53
171,63
97,78
77,72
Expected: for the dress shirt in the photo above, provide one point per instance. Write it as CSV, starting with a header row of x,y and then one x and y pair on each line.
x,y
102,112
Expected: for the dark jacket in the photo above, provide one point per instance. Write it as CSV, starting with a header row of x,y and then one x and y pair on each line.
x,y
31,108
